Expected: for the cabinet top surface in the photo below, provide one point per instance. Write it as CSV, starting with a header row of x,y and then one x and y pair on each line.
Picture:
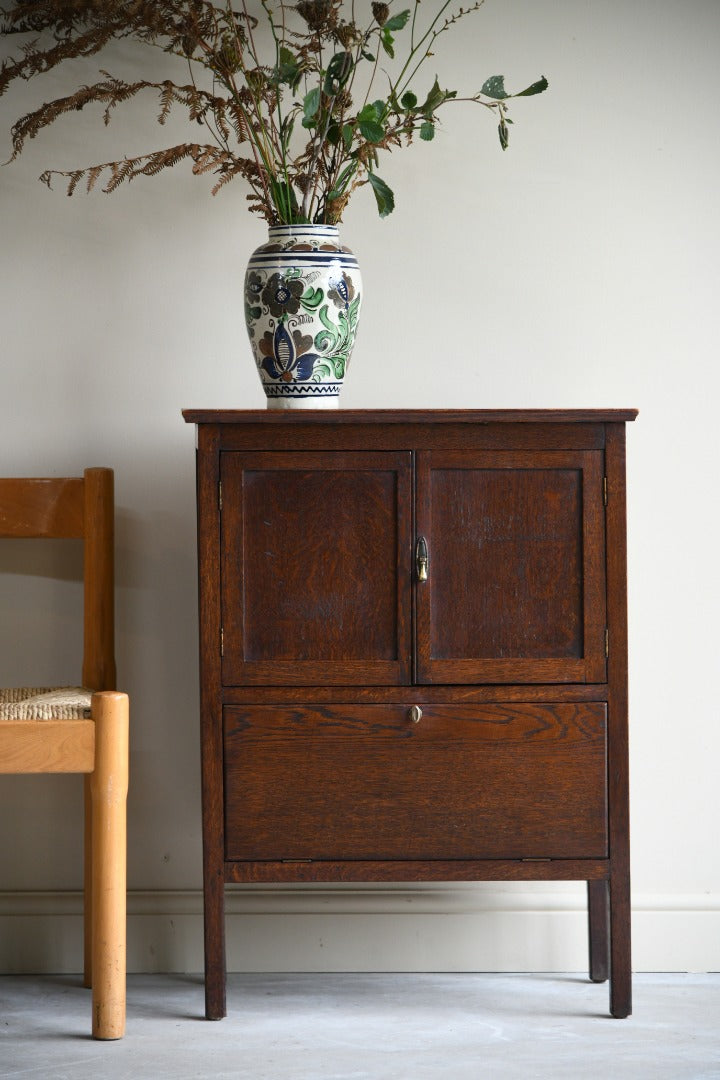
x,y
407,416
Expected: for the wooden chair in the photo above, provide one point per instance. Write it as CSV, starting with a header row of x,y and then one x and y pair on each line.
x,y
80,729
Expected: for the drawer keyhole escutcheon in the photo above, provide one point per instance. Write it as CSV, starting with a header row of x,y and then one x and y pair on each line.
x,y
415,714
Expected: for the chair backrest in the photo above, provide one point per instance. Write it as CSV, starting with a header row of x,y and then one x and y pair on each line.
x,y
78,507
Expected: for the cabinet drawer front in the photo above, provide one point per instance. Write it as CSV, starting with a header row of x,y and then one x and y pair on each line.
x,y
364,782
516,584
316,568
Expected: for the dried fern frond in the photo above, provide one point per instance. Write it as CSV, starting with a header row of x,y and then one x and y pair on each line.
x,y
129,168
307,140
36,61
111,93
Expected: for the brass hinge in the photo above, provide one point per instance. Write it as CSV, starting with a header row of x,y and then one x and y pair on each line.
x,y
607,642
605,491
222,641
219,494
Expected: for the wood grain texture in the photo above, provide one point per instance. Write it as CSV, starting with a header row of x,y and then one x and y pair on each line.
x,y
516,589
98,671
365,782
618,772
394,437
324,545
98,666
416,870
109,787
208,477
472,417
410,695
598,930
52,508
47,746
507,563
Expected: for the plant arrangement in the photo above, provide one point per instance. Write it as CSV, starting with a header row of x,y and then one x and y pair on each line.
x,y
300,99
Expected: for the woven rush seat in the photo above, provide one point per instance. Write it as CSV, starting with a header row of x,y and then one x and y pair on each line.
x,y
45,703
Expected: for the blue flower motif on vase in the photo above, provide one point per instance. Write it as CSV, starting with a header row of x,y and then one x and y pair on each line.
x,y
341,292
286,358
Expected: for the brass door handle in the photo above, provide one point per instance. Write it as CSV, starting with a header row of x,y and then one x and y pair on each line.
x,y
415,714
421,559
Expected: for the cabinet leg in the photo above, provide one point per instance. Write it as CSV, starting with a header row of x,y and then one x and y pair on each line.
x,y
599,929
215,971
620,962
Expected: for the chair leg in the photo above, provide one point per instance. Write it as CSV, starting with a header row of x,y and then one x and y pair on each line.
x,y
109,853
87,887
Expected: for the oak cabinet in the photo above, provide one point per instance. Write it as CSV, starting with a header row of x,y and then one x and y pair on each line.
x,y
413,655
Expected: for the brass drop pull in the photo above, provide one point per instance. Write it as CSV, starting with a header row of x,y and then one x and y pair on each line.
x,y
421,558
415,714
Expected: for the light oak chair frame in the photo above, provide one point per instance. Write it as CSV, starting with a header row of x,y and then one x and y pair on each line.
x,y
83,508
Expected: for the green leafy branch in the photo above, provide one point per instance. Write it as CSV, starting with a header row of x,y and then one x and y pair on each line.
x,y
304,126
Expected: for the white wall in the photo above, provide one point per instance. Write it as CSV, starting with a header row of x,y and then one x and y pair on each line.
x,y
578,269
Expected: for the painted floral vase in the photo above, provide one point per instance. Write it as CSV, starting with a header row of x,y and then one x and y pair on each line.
x,y
302,301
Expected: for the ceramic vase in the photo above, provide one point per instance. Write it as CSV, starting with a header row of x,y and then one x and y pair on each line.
x,y
302,301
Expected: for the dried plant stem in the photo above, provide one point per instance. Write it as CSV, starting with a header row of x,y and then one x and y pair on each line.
x,y
310,146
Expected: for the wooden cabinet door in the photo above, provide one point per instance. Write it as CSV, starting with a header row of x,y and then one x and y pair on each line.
x,y
316,553
516,576
349,782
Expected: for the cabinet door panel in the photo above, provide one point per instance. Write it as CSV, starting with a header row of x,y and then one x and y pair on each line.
x,y
316,551
351,782
516,584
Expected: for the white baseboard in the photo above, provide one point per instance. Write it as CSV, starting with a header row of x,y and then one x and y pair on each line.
x,y
341,928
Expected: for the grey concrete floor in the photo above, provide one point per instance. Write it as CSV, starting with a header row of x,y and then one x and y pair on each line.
x,y
367,1027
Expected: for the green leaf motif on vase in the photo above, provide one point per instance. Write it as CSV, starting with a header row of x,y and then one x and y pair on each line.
x,y
311,299
336,340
